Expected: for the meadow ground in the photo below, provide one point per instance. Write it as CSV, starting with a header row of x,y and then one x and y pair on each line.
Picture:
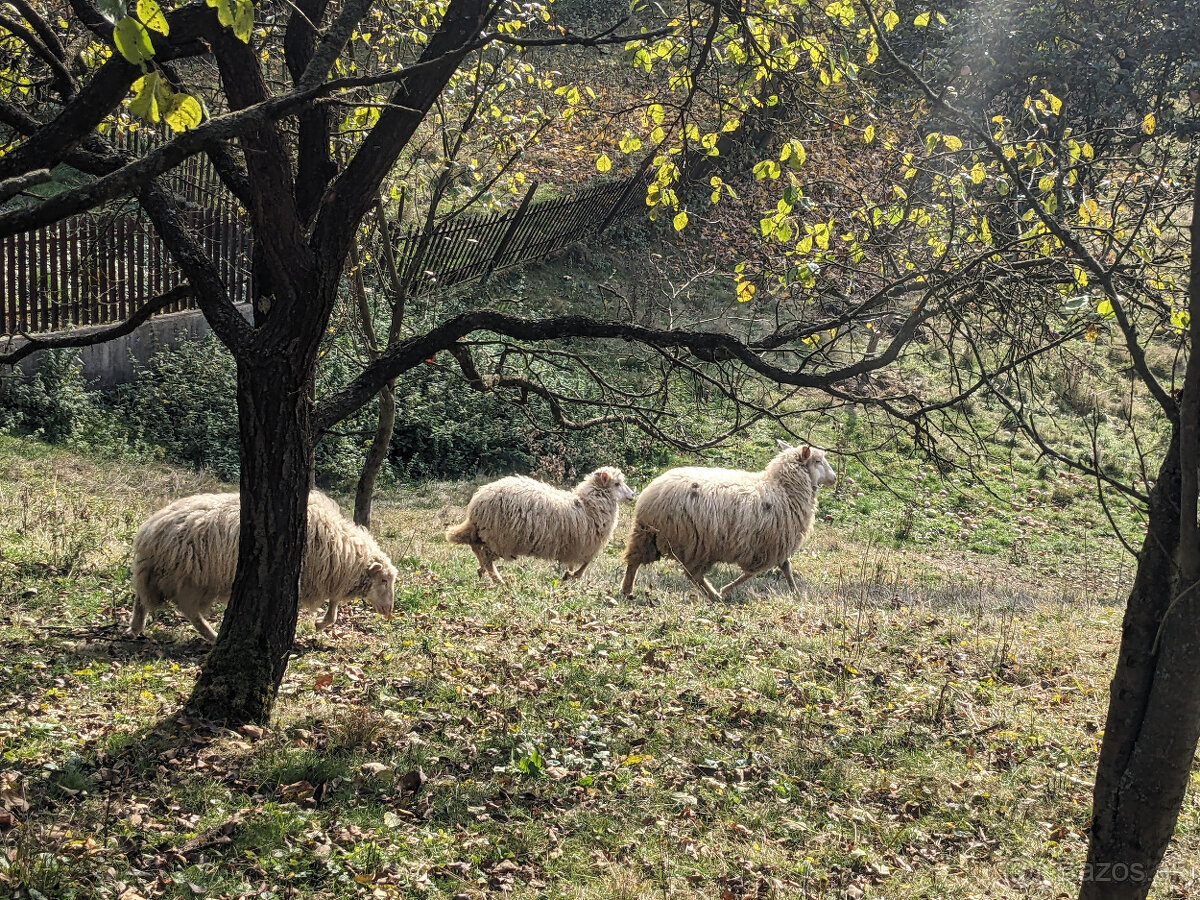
x,y
920,722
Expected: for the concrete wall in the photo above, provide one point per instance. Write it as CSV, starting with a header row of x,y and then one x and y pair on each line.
x,y
114,362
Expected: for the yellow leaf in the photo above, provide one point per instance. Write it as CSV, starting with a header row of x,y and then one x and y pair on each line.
x,y
978,173
183,113
868,134
680,221
922,20
891,20
951,142
745,291
152,17
603,164
1148,123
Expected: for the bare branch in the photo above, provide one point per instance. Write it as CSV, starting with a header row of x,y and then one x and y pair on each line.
x,y
89,338
10,187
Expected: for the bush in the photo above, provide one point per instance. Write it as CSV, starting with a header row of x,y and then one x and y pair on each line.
x,y
183,407
185,402
51,403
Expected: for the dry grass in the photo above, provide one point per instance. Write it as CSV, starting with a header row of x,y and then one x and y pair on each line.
x,y
912,725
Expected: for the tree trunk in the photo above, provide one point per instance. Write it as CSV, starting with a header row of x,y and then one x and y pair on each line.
x,y
243,672
375,455
1154,711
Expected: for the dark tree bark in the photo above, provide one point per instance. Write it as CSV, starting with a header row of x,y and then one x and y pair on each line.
x,y
1153,720
243,672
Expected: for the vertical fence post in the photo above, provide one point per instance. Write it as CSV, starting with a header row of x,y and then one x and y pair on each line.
x,y
508,235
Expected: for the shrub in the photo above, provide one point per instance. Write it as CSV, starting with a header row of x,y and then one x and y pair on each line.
x,y
51,402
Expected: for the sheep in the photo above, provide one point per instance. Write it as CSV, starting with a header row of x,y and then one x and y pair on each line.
x,y
519,516
186,554
755,520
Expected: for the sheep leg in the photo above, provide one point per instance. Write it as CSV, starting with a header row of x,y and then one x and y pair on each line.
x,y
578,573
702,584
728,589
137,622
487,563
630,574
641,549
331,616
201,624
786,569
193,607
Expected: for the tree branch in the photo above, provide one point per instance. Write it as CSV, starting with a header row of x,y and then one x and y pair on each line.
x,y
352,193
10,187
408,354
47,145
33,345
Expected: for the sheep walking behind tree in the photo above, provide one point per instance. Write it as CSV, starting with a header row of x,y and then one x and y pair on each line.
x,y
186,554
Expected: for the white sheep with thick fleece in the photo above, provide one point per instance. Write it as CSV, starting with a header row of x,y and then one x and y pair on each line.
x,y
754,520
186,554
519,516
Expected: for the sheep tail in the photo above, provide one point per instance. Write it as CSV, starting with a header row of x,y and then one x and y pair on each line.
x,y
466,533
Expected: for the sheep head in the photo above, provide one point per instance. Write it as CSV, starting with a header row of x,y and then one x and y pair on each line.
x,y
611,481
820,471
381,587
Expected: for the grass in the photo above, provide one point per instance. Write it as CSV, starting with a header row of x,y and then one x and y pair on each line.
x,y
917,723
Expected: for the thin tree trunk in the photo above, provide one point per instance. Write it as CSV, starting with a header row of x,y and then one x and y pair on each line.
x,y
242,673
377,453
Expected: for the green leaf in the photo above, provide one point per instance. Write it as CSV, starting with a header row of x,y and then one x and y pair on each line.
x,y
145,105
224,11
243,20
152,16
793,154
680,221
183,113
133,41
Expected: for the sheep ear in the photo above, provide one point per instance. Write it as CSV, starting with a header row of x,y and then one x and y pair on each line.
x,y
375,567
602,477
806,452
783,445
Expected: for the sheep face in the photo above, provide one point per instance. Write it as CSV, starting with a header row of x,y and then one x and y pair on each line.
x,y
819,469
381,587
611,480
